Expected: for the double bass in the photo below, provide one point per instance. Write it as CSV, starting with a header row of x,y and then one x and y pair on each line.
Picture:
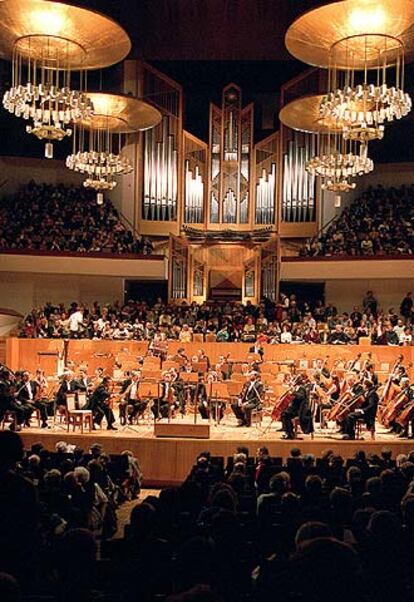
x,y
386,397
405,415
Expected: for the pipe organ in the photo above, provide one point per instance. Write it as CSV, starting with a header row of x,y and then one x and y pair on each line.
x,y
224,204
195,172
231,142
267,157
160,173
178,269
161,148
269,269
298,188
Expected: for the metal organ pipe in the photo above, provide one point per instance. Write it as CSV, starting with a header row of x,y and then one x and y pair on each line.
x,y
160,173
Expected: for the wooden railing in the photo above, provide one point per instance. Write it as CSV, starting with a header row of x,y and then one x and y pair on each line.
x,y
89,254
31,353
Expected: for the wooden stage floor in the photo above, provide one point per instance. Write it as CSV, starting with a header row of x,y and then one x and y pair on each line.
x,y
168,460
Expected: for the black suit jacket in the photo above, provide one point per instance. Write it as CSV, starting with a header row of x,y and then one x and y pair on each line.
x,y
65,388
252,395
370,406
23,393
99,397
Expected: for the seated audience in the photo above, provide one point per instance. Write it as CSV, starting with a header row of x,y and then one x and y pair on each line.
x,y
288,321
44,217
379,222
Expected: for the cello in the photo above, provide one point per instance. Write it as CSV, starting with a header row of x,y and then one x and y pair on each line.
x,y
284,400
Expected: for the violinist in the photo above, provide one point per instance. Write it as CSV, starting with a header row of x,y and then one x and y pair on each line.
x,y
131,403
298,408
250,399
366,412
28,394
8,402
83,383
99,405
165,403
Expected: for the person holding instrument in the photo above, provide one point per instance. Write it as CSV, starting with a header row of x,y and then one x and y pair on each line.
x,y
8,401
165,403
366,412
297,408
99,405
28,394
131,402
250,399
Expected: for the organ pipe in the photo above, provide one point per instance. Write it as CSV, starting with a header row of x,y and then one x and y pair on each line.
x,y
160,173
298,190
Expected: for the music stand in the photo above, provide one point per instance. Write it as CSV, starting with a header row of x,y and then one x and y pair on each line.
x,y
220,392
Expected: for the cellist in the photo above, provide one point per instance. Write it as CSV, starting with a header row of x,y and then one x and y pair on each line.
x,y
298,408
366,412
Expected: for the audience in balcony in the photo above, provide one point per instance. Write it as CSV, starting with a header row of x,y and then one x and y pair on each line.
x,y
254,528
43,217
287,321
379,222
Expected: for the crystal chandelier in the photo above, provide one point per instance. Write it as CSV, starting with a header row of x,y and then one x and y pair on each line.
x,y
97,153
366,85
41,88
338,162
98,141
52,45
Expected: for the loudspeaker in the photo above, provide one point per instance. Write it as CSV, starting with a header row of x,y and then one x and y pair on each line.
x,y
175,429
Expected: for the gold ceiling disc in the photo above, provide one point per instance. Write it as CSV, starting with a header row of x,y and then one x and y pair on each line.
x,y
89,39
303,114
383,23
121,114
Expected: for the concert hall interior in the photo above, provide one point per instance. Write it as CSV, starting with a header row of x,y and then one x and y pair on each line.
x,y
206,289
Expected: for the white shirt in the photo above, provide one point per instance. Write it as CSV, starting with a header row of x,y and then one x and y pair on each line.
x,y
75,320
286,337
29,389
133,391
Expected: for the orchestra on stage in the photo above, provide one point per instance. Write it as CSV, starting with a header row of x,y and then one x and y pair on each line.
x,y
341,398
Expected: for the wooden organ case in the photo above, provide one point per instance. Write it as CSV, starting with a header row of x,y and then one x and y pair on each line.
x,y
224,205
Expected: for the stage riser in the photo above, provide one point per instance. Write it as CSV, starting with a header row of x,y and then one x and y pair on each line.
x,y
168,461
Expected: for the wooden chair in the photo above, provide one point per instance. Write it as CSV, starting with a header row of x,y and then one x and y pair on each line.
x,y
238,376
296,427
152,362
36,413
361,428
77,418
198,338
234,388
167,365
364,341
257,417
211,337
9,416
151,375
